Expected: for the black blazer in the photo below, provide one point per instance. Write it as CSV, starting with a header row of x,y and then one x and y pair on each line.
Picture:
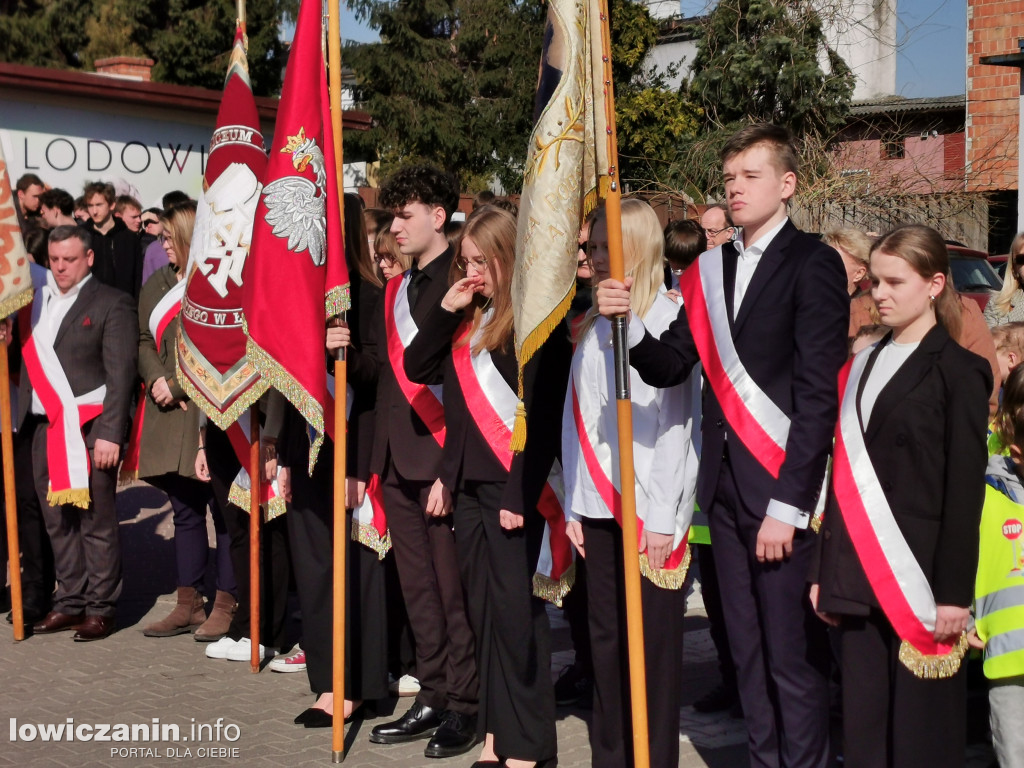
x,y
97,344
791,336
467,456
926,440
399,432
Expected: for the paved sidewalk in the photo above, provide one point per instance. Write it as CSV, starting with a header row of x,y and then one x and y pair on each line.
x,y
131,679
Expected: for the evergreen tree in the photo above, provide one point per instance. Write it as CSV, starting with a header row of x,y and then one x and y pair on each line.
x,y
189,40
451,82
768,60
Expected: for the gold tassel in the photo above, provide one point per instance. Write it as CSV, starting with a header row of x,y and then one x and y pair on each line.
x,y
553,590
127,478
368,536
519,429
816,521
78,497
663,578
933,667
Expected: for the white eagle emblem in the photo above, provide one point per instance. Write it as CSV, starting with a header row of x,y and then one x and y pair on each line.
x,y
296,207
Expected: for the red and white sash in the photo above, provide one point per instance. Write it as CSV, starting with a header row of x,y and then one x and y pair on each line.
x,y
896,578
492,404
163,314
66,453
270,499
401,330
369,523
757,421
673,574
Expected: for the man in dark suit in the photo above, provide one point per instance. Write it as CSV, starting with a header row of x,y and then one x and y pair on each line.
x,y
82,353
784,311
407,456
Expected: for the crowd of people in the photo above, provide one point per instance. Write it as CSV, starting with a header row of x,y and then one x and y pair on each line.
x,y
823,422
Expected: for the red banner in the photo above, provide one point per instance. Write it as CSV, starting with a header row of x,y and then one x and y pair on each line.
x,y
212,365
297,277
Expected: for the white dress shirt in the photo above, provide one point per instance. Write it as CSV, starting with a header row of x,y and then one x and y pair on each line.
x,y
748,259
666,437
56,306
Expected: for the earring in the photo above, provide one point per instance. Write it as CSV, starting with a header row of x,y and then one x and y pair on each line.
x,y
931,298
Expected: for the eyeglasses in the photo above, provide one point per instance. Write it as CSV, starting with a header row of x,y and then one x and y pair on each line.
x,y
479,264
381,259
166,239
1018,261
715,232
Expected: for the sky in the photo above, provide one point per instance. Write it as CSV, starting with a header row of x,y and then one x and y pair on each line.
x,y
931,53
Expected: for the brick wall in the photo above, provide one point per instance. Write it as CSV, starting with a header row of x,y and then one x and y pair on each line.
x,y
135,68
993,27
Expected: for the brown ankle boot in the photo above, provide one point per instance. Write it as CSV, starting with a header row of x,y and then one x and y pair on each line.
x,y
215,627
188,614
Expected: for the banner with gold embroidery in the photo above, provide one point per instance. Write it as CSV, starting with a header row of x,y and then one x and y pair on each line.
x,y
566,171
15,280
212,364
297,278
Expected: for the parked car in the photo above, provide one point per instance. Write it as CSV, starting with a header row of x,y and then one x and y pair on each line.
x,y
973,275
998,262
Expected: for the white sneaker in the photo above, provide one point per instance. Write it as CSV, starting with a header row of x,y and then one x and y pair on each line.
x,y
219,649
294,663
242,651
407,685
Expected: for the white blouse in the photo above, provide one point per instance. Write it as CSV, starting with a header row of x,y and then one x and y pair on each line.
x,y
666,432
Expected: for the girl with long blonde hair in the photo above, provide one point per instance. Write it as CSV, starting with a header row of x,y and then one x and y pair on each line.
x,y
1007,306
665,460
467,343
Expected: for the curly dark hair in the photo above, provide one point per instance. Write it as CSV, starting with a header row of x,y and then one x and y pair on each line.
x,y
425,184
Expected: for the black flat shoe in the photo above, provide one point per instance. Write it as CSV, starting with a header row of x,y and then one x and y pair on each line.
x,y
318,719
306,714
418,723
455,736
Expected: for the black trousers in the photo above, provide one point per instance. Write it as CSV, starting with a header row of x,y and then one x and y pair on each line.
x,y
274,565
574,607
611,729
86,542
778,645
513,639
37,574
712,595
311,538
892,719
424,550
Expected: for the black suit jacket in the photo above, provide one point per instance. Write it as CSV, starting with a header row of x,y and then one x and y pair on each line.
x,y
399,432
926,440
467,456
97,344
791,337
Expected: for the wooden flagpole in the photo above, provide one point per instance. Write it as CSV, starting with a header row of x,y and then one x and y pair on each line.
x,y
255,515
10,502
341,533
630,544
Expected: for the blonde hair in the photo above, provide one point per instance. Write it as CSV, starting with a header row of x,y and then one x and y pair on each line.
x,y
643,256
386,243
493,232
1009,337
925,251
178,222
851,241
1011,283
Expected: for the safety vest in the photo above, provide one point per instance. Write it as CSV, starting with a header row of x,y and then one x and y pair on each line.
x,y
999,586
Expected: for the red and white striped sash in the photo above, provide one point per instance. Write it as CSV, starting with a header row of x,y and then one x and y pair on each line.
x,y
401,330
66,453
163,314
896,578
673,574
270,499
492,404
755,419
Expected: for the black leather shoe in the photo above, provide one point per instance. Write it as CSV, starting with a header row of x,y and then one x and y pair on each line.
x,y
418,723
455,736
717,700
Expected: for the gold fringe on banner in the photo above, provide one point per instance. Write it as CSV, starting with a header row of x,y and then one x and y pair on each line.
x,y
553,590
12,304
239,496
530,346
933,667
